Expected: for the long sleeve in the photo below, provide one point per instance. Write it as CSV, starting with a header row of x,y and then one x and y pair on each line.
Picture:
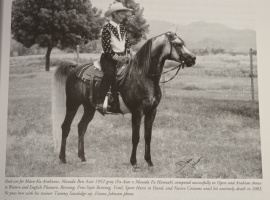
x,y
127,44
106,42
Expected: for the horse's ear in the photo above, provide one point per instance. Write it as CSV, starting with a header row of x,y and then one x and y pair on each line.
x,y
173,30
168,33
171,34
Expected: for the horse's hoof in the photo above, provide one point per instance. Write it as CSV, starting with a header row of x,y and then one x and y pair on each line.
x,y
82,163
62,160
135,168
149,162
151,168
133,162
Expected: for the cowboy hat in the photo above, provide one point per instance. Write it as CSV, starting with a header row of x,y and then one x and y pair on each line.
x,y
116,7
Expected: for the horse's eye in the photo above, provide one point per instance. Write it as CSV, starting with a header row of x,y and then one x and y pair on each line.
x,y
177,44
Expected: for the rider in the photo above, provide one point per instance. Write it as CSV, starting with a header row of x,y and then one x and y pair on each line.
x,y
115,45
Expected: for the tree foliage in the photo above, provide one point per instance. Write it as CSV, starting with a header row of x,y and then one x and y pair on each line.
x,y
135,23
55,23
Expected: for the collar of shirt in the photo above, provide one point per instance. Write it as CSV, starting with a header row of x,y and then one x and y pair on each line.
x,y
114,24
117,26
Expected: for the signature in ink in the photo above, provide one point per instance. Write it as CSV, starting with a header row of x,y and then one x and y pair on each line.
x,y
192,162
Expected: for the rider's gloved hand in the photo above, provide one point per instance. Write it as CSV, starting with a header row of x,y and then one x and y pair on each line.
x,y
121,58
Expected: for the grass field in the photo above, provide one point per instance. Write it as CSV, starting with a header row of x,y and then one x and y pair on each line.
x,y
206,110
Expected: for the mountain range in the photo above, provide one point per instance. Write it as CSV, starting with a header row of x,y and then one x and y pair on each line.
x,y
202,35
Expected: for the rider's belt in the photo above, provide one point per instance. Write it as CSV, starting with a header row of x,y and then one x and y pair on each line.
x,y
120,54
110,57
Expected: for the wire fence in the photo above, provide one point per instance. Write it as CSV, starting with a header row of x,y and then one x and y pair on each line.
x,y
226,75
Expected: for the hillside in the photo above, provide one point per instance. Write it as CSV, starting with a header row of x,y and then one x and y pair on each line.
x,y
197,35
207,35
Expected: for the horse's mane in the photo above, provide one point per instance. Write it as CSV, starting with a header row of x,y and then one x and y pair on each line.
x,y
141,60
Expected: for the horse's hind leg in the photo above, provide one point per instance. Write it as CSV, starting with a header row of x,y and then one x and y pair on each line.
x,y
88,115
70,113
148,122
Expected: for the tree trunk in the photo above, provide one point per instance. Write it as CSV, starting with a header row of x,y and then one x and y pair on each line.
x,y
49,50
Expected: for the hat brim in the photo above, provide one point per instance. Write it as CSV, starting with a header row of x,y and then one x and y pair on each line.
x,y
109,12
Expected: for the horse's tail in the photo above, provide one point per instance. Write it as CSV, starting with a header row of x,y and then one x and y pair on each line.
x,y
59,100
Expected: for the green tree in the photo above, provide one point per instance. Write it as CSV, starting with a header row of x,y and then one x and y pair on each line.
x,y
54,23
135,23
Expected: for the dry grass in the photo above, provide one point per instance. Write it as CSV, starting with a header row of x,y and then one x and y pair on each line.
x,y
206,111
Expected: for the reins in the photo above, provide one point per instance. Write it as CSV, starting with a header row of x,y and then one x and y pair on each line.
x,y
178,67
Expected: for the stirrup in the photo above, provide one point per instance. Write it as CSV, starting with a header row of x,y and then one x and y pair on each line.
x,y
105,104
100,109
103,108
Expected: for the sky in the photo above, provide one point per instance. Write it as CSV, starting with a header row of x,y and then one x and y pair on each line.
x,y
238,14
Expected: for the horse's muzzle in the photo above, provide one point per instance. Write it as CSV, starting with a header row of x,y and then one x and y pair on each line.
x,y
190,61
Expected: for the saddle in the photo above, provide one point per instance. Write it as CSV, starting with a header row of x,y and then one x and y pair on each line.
x,y
91,73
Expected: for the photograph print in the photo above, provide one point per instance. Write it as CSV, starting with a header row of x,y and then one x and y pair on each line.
x,y
133,88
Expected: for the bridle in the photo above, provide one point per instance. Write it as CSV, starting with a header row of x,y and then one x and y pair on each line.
x,y
178,67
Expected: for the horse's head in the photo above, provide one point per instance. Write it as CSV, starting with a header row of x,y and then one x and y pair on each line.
x,y
178,51
157,50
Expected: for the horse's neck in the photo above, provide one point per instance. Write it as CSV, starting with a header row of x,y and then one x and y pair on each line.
x,y
157,60
156,53
156,65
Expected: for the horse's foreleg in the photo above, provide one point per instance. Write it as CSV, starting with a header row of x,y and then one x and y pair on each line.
x,y
71,112
82,126
148,122
136,123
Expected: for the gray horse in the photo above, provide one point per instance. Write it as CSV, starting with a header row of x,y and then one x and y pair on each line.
x,y
140,91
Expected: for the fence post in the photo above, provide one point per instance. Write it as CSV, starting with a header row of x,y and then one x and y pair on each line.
x,y
251,75
78,53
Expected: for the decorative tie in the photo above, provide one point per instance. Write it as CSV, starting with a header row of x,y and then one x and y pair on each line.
x,y
119,33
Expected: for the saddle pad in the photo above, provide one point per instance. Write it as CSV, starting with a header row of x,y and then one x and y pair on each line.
x,y
88,71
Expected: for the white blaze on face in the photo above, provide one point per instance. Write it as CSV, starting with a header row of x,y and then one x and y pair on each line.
x,y
177,41
183,47
186,50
